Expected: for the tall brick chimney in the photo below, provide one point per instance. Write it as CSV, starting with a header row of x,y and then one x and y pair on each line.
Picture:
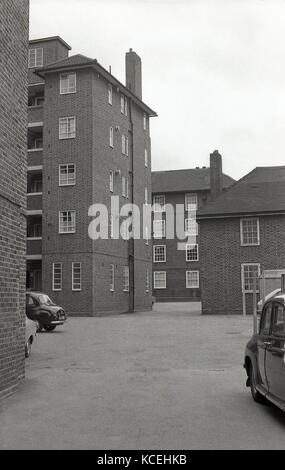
x,y
134,73
216,174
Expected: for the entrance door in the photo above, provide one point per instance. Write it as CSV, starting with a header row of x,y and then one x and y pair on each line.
x,y
275,356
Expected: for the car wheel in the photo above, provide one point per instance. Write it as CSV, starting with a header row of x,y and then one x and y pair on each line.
x,y
254,392
49,327
28,347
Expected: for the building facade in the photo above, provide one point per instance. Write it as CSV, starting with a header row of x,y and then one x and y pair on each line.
x,y
14,21
242,233
89,141
176,268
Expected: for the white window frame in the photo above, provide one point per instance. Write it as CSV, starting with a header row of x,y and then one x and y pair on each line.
x,y
124,192
68,89
56,283
248,219
189,247
188,285
144,122
193,205
159,233
164,254
73,215
188,231
145,158
110,94
112,278
126,278
39,57
243,265
111,181
127,147
111,220
155,274
157,206
111,137
123,144
69,181
66,121
76,284
147,282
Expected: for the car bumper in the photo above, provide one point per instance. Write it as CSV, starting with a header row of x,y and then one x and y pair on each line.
x,y
57,322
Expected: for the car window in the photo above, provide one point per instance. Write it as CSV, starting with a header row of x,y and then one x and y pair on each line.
x,y
29,300
266,319
278,325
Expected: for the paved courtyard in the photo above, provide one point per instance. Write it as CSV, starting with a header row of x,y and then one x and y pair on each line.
x,y
167,379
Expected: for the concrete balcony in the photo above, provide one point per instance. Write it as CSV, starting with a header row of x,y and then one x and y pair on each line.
x,y
34,246
34,201
35,113
35,157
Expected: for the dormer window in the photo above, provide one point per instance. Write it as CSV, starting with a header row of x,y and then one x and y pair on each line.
x,y
36,57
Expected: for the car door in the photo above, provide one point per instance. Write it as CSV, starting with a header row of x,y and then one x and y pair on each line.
x,y
275,355
263,341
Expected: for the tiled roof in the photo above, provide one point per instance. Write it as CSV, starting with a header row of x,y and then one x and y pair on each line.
x,y
260,191
74,60
194,179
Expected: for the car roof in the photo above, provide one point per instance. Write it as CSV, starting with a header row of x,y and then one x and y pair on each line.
x,y
278,296
34,292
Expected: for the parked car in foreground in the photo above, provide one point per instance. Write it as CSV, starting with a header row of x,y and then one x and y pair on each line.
x,y
267,297
31,331
265,354
40,308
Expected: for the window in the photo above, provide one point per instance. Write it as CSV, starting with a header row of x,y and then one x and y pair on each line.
x,y
56,276
37,230
159,228
278,325
123,144
67,83
145,158
38,143
36,57
145,195
250,272
124,105
159,203
127,146
110,94
144,121
36,186
192,252
111,137
147,280
191,227
112,277
67,127
146,236
266,319
111,181
159,254
249,231
76,276
127,189
124,186
126,278
111,225
67,222
159,279
190,201
192,279
67,174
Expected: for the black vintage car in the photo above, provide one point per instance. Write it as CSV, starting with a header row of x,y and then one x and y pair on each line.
x,y
265,354
40,308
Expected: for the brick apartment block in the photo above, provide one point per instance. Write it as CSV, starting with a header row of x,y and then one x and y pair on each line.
x,y
242,233
14,19
88,140
176,272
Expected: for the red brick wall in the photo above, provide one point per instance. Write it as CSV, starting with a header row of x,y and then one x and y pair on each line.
x,y
13,123
176,264
94,159
222,256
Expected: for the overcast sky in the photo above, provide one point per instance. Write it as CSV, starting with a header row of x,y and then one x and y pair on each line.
x,y
214,71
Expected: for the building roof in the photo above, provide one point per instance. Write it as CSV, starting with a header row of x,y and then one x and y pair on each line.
x,y
80,61
50,38
193,179
260,191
